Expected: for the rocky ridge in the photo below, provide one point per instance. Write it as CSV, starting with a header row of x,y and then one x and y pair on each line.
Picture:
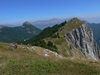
x,y
82,39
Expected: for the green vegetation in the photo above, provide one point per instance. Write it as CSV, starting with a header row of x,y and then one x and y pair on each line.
x,y
30,66
48,45
59,41
47,32
24,62
12,34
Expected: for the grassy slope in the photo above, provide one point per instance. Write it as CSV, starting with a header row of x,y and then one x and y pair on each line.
x,y
23,62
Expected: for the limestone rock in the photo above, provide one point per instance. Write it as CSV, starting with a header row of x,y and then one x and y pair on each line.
x,y
82,39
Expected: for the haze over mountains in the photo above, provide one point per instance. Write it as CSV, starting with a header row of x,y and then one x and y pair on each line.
x,y
43,23
47,23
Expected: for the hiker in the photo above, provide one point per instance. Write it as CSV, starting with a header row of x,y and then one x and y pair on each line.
x,y
14,46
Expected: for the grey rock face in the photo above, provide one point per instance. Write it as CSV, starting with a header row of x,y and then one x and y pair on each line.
x,y
82,39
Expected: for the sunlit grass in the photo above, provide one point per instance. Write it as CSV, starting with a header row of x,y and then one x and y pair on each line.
x,y
24,62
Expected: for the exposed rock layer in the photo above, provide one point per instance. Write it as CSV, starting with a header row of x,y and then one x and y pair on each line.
x,y
82,39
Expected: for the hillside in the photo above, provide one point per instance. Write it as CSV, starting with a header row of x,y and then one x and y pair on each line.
x,y
96,29
68,39
12,34
34,62
1,26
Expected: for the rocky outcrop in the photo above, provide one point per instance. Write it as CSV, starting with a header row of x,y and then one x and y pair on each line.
x,y
82,39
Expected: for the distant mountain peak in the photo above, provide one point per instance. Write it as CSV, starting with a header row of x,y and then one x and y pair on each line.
x,y
26,23
27,30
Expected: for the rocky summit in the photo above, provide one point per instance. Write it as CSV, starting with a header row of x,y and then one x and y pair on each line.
x,y
82,39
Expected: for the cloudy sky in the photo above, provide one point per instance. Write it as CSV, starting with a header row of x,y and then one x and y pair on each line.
x,y
17,11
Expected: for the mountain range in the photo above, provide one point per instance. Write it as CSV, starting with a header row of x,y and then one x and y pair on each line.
x,y
12,34
68,38
41,24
